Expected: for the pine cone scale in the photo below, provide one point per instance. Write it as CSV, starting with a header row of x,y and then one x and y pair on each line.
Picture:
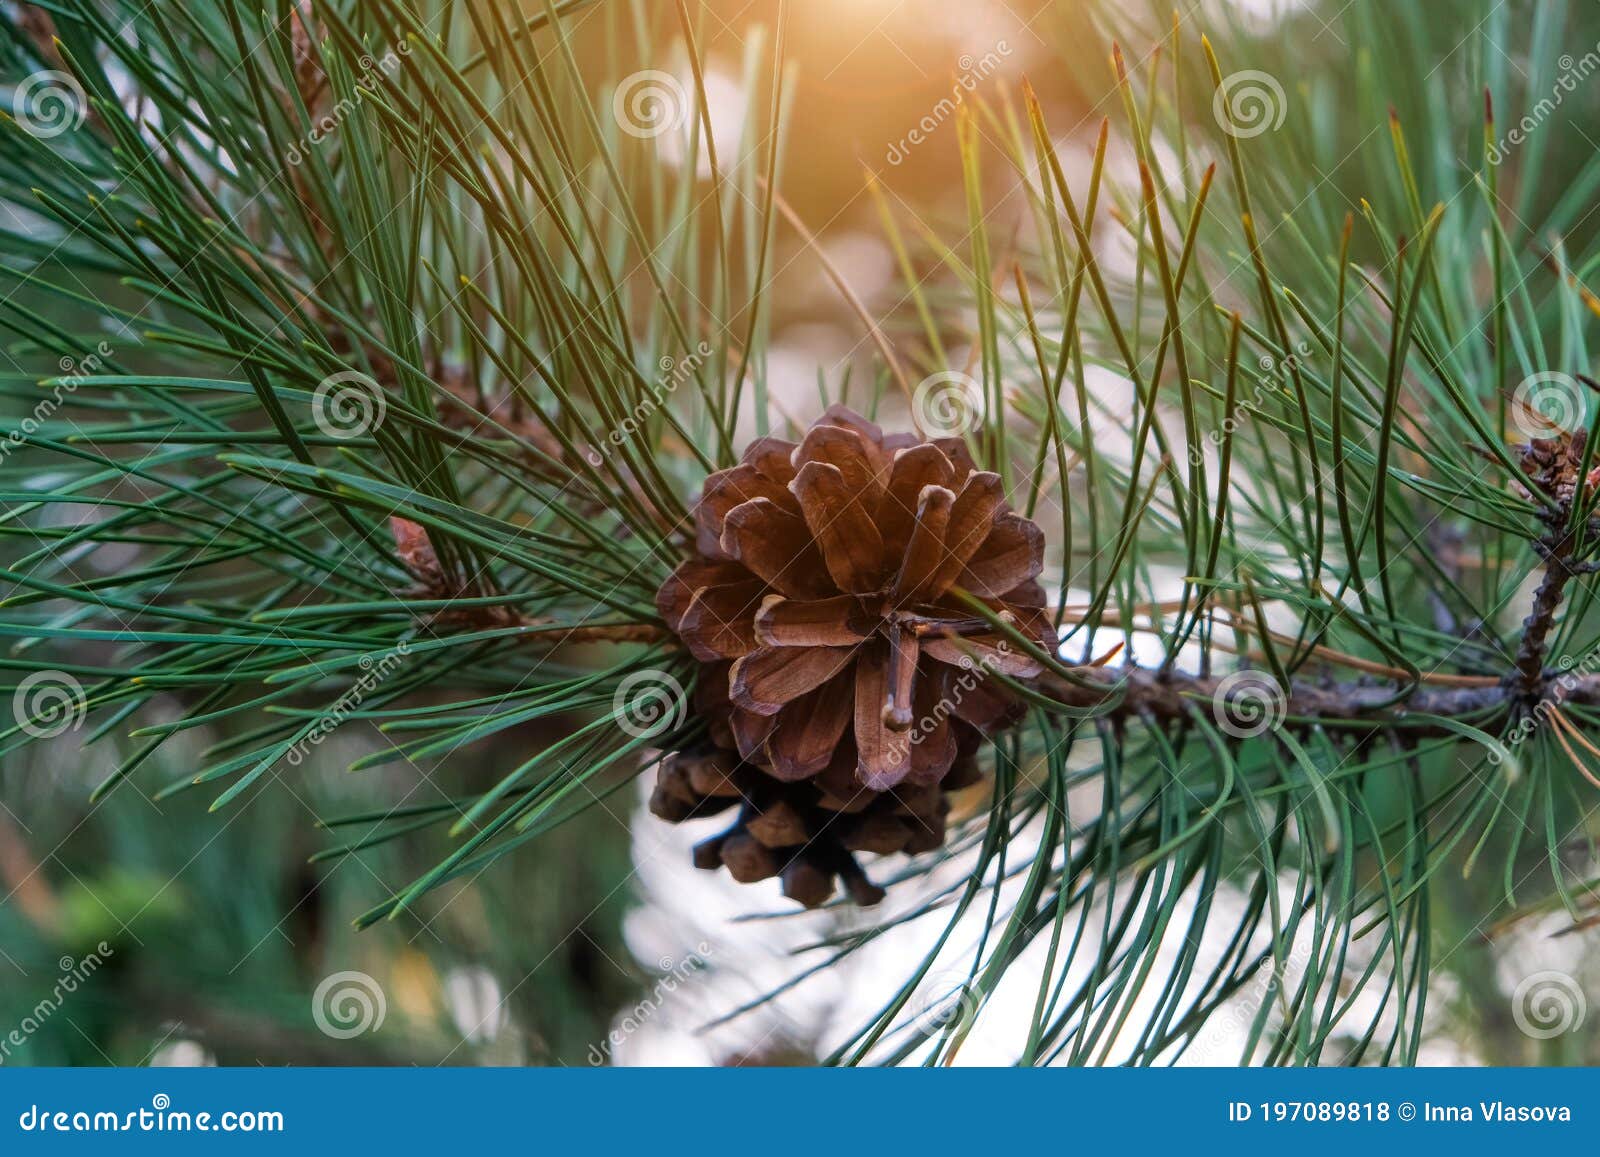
x,y
837,517
775,546
925,553
913,471
1012,557
901,678
751,733
885,759
772,458
972,521
860,462
807,735
835,622
768,679
718,623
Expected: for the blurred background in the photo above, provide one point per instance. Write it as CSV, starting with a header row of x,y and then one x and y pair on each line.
x,y
141,930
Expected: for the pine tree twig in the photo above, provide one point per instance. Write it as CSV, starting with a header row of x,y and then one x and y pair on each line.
x,y
1246,626
1555,466
1146,693
1559,570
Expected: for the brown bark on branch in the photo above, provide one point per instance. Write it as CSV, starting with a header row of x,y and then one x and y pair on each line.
x,y
1350,707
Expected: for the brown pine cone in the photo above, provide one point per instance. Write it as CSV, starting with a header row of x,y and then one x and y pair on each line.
x,y
1552,464
821,603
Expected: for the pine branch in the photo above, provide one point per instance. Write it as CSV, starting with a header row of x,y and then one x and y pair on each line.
x,y
1151,694
513,275
1559,570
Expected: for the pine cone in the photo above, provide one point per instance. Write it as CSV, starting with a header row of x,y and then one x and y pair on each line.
x,y
822,604
1552,464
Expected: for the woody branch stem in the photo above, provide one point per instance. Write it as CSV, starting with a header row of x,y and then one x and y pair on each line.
x,y
1150,694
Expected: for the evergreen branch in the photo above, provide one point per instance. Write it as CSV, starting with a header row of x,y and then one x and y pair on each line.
x,y
1149,694
181,529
